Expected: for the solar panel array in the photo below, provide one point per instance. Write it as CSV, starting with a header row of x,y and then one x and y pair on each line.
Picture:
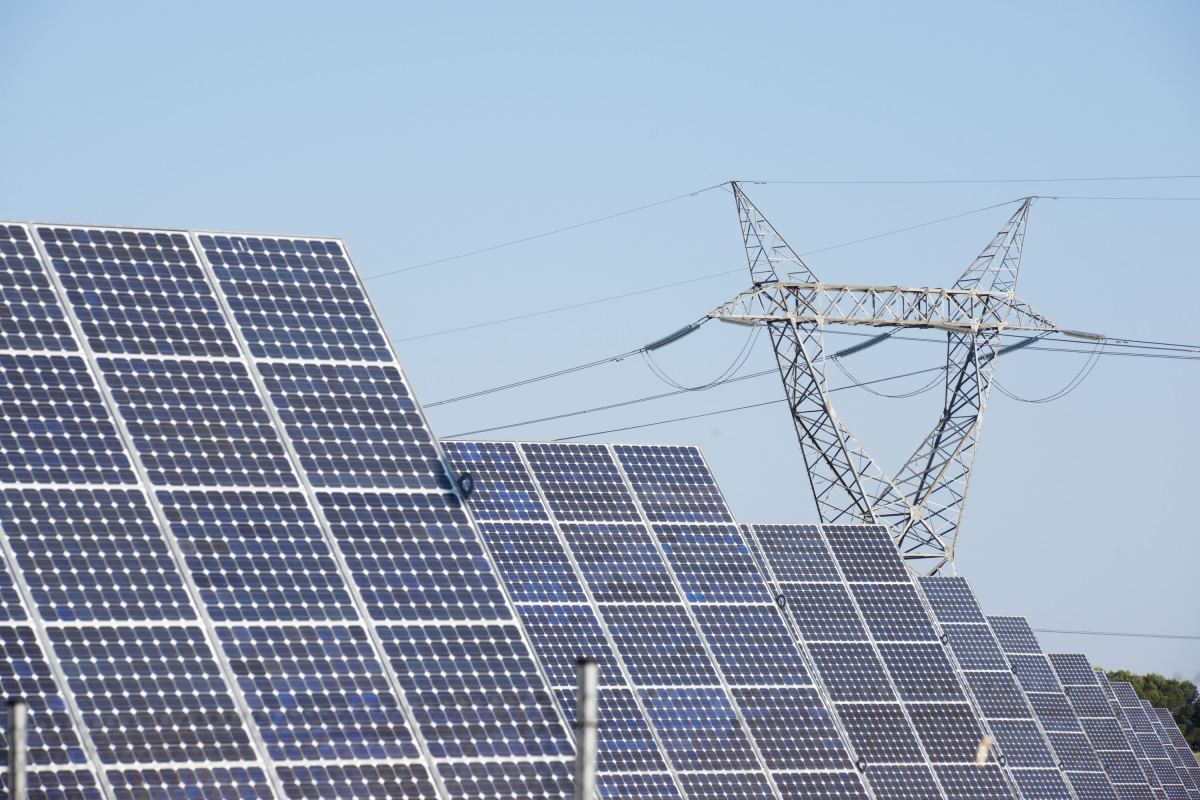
x,y
1020,739
233,564
627,554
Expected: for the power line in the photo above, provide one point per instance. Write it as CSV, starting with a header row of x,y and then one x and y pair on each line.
x,y
543,234
930,181
1185,636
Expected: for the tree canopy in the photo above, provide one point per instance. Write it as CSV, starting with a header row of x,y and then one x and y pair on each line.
x,y
1180,697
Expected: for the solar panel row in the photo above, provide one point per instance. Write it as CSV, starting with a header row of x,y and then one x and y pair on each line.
x,y
627,555
233,562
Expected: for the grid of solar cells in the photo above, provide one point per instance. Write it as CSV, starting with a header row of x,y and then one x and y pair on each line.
x,y
1175,782
32,318
1074,750
1143,735
440,626
1018,738
893,651
1182,755
244,783
1100,721
79,784
682,607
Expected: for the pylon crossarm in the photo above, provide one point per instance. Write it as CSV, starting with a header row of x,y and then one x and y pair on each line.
x,y
954,310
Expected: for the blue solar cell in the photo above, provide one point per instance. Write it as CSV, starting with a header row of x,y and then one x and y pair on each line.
x,y
532,561
880,733
949,732
1020,741
59,785
151,694
356,781
824,612
1053,711
317,693
1121,766
1073,669
620,563
997,694
903,782
866,553
581,482
295,298
354,426
726,786
189,783
645,784
752,644
11,609
974,647
1088,701
712,563
792,728
1073,750
821,786
138,292
971,782
951,599
257,556
921,672
851,671
414,557
198,423
503,487
659,645
507,779
893,612
1014,635
561,635
32,318
673,484
1041,784
699,728
1091,786
93,554
796,553
1105,733
1034,673
54,427
475,691
625,743
51,737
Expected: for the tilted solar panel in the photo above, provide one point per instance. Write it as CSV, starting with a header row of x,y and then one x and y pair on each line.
x,y
626,554
233,560
1019,738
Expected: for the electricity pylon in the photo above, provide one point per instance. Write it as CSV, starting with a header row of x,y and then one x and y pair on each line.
x,y
922,503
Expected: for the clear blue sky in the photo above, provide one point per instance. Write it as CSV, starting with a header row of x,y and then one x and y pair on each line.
x,y
418,131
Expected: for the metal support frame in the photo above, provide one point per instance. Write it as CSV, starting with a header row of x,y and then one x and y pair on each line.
x,y
18,749
922,502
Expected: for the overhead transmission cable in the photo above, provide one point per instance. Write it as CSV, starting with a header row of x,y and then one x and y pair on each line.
x,y
1187,636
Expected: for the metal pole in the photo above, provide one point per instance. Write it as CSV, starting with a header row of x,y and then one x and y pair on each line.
x,y
586,715
18,713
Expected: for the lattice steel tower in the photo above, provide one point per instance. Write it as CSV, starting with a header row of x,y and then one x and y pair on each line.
x,y
922,502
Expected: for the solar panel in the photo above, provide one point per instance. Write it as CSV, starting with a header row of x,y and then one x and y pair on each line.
x,y
675,606
1075,752
1181,755
232,559
1143,734
880,659
1019,736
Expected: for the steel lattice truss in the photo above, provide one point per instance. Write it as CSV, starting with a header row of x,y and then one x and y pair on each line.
x,y
922,502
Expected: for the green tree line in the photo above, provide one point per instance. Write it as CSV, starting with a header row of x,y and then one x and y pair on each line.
x,y
1180,697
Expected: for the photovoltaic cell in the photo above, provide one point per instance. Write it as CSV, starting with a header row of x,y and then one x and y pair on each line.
x,y
367,781
186,782
712,563
354,426
151,694
730,786
503,488
51,738
535,567
58,785
54,427
93,555
659,645
494,779
637,784
699,728
800,555
673,484
626,743
581,483
32,318
752,645
198,423
138,292
563,634
295,298
620,563
257,556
